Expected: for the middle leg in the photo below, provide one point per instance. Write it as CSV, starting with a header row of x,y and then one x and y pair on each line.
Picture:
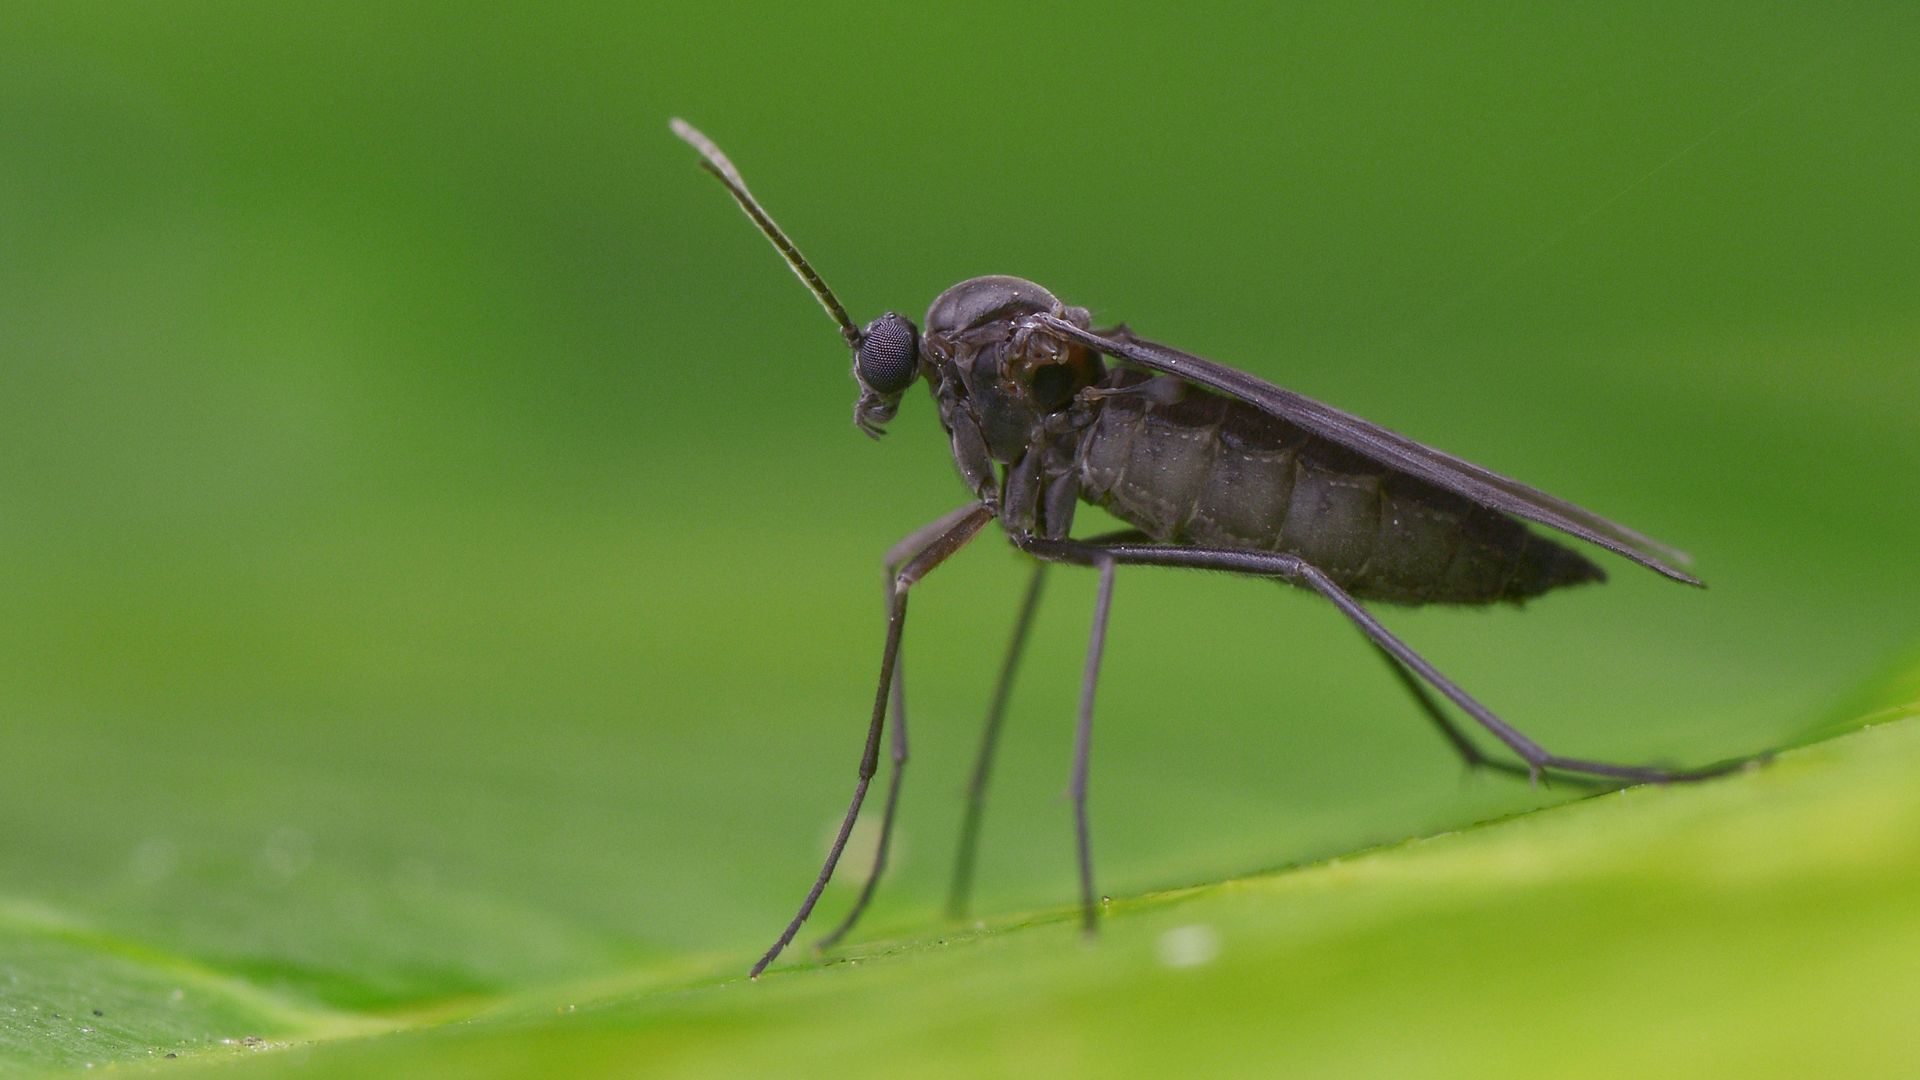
x,y
1083,741
959,893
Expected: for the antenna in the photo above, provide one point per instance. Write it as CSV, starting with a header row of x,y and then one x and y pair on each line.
x,y
716,163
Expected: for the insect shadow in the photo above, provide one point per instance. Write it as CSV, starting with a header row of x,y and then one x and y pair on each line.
x,y
1215,469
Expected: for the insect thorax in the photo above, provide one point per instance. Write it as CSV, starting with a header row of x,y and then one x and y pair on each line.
x,y
1009,397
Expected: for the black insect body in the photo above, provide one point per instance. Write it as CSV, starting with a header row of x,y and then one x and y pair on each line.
x,y
1215,469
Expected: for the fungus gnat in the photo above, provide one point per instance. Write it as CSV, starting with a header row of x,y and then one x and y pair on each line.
x,y
1215,469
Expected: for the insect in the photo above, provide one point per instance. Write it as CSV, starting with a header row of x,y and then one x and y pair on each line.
x,y
1215,469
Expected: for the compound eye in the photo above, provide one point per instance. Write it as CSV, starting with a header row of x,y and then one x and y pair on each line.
x,y
889,354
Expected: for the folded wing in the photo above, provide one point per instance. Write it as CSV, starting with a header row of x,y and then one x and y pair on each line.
x,y
1443,470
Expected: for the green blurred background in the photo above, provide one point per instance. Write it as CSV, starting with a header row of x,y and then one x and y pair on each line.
x,y
439,562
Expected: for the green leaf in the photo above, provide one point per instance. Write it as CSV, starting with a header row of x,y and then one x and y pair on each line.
x,y
1761,924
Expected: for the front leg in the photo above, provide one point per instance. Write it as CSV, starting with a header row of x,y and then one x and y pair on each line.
x,y
909,546
935,545
970,455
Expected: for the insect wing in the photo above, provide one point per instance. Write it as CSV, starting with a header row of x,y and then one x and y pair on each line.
x,y
1483,486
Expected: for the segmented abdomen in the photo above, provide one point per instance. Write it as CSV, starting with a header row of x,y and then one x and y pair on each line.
x,y
1213,472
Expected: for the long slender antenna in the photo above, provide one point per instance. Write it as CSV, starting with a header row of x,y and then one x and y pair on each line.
x,y
716,163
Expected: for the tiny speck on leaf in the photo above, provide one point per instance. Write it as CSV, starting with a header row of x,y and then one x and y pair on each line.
x,y
1188,946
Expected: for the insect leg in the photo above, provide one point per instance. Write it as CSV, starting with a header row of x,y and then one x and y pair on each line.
x,y
1456,738
890,564
960,892
1293,568
960,527
1538,758
1464,746
892,807
1083,738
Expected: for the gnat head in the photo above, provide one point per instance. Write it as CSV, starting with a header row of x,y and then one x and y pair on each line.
x,y
886,355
